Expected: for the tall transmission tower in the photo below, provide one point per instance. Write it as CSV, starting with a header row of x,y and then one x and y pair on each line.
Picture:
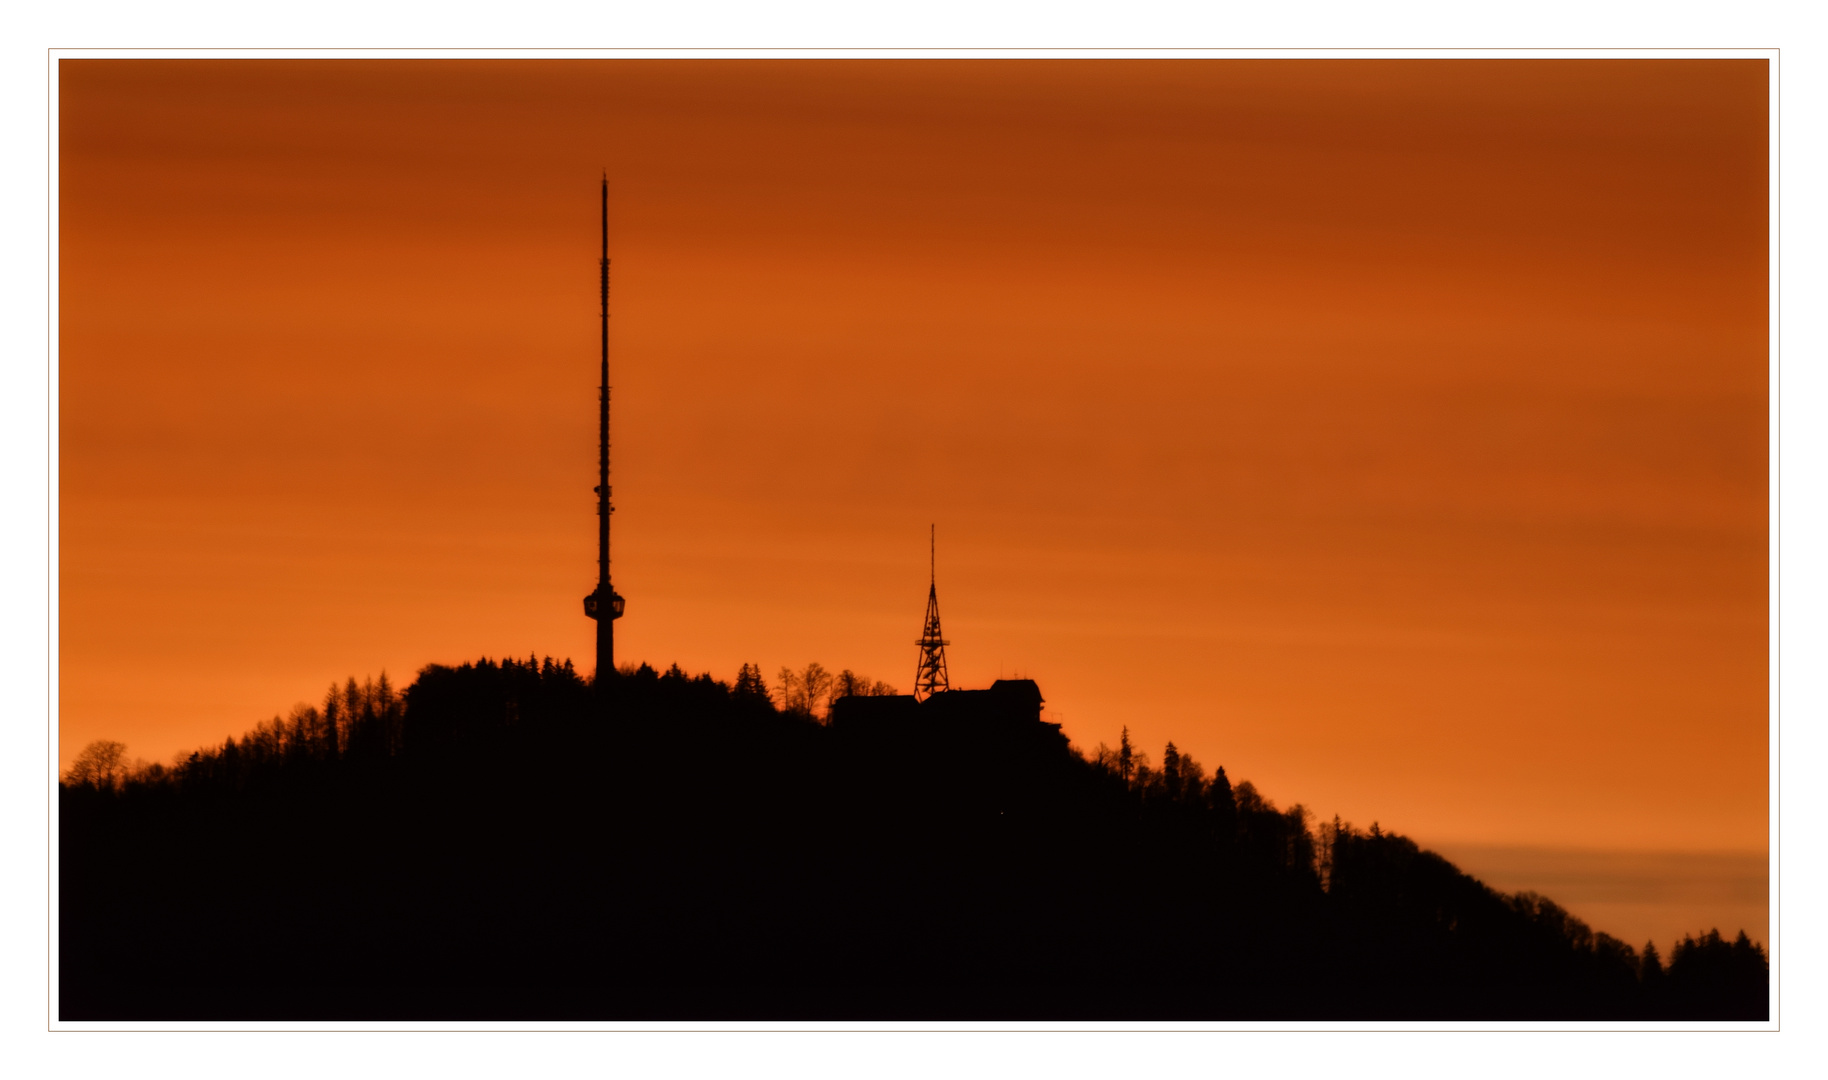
x,y
604,604
930,676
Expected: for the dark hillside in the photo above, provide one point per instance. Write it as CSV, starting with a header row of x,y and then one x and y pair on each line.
x,y
488,846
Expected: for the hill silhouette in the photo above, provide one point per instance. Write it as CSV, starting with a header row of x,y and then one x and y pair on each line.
x,y
501,842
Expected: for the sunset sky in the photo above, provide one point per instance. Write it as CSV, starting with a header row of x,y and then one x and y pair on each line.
x,y
1392,433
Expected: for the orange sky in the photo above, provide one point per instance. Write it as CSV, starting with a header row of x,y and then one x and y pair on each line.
x,y
1393,433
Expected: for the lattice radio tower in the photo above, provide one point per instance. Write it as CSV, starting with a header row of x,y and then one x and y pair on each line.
x,y
604,604
930,676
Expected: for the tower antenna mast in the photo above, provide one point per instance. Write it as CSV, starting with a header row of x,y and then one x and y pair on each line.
x,y
930,674
604,604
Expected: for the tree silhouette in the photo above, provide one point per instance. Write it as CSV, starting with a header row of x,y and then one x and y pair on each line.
x,y
1650,967
99,765
750,686
334,738
803,692
850,684
489,844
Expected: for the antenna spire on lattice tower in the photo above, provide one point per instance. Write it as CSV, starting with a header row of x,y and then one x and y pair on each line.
x,y
930,675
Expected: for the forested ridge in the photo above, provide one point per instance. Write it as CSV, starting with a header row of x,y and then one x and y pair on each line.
x,y
506,841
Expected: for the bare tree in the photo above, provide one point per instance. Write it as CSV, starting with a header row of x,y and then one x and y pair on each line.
x,y
804,691
818,684
100,765
792,696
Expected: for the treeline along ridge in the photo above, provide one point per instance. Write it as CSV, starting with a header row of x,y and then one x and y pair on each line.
x,y
489,844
